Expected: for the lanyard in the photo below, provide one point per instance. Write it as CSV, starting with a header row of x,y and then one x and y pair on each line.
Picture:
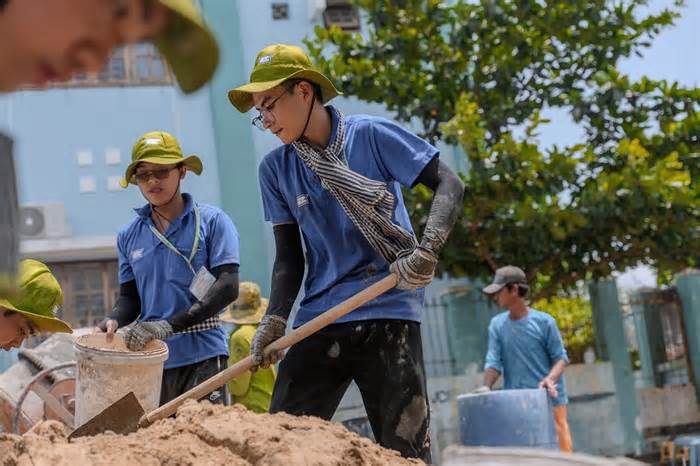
x,y
195,245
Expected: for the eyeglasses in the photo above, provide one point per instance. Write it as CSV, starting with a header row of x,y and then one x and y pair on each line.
x,y
160,174
259,121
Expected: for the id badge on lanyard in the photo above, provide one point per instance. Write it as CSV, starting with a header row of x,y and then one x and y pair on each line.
x,y
203,279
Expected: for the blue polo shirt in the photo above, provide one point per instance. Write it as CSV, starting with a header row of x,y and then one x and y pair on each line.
x,y
525,350
340,261
163,278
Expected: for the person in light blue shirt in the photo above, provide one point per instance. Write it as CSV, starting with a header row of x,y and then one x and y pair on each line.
x,y
335,187
526,347
178,269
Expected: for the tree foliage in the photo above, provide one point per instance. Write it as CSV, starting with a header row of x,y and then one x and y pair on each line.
x,y
575,321
482,74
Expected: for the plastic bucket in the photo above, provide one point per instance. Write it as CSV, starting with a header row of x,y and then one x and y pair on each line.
x,y
507,418
108,371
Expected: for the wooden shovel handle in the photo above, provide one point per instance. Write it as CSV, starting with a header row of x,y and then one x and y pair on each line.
x,y
286,341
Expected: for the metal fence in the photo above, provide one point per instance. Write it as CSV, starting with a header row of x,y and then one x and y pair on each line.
x,y
439,361
455,330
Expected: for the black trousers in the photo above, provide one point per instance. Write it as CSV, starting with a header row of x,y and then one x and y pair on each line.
x,y
384,358
178,380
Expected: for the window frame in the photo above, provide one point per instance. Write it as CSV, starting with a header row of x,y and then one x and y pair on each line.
x,y
129,54
65,272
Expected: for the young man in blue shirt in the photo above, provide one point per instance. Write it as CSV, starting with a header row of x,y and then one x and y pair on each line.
x,y
336,183
178,269
526,347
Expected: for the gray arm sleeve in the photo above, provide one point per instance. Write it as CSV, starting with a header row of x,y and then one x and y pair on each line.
x,y
446,206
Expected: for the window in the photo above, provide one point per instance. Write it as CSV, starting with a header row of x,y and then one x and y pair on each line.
x,y
132,65
671,316
343,14
90,290
280,11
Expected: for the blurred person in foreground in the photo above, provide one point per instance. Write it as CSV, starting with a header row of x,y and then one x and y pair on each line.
x,y
60,38
32,310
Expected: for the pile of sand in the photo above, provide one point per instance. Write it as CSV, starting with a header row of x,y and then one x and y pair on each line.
x,y
203,434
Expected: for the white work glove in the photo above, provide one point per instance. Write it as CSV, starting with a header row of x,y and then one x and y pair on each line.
x,y
415,269
271,328
138,335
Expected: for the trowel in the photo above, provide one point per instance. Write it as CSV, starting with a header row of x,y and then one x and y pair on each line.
x,y
126,415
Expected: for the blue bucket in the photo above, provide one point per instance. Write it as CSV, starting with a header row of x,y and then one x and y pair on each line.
x,y
507,418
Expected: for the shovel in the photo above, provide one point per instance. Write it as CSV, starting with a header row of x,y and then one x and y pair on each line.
x,y
126,415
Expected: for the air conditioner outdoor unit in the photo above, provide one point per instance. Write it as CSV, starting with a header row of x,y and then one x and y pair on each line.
x,y
46,220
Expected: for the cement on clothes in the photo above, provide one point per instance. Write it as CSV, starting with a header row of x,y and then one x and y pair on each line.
x,y
204,434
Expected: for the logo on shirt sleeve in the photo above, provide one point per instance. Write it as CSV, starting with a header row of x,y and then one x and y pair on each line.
x,y
302,200
137,254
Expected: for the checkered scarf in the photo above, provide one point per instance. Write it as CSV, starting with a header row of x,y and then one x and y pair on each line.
x,y
207,324
367,202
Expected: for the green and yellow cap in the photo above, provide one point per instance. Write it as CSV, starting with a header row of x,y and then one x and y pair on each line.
x,y
249,308
160,148
38,297
188,46
274,65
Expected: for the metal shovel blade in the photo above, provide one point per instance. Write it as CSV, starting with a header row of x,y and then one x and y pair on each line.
x,y
121,417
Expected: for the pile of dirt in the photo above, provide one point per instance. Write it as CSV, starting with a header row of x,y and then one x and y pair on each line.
x,y
203,434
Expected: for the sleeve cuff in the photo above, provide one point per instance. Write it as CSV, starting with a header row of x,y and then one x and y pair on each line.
x,y
492,365
431,155
225,261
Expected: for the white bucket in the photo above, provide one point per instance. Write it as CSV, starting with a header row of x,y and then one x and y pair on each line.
x,y
108,371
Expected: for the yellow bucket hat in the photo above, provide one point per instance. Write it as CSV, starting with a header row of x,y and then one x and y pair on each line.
x,y
160,148
274,65
38,297
249,308
188,46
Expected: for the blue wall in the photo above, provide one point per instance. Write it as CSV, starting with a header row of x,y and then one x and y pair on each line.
x,y
51,127
237,162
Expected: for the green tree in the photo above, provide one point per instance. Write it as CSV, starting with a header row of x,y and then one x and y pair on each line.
x,y
482,74
575,321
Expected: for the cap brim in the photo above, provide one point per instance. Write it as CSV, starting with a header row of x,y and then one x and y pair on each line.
x,y
42,324
48,324
493,288
242,97
188,46
191,162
